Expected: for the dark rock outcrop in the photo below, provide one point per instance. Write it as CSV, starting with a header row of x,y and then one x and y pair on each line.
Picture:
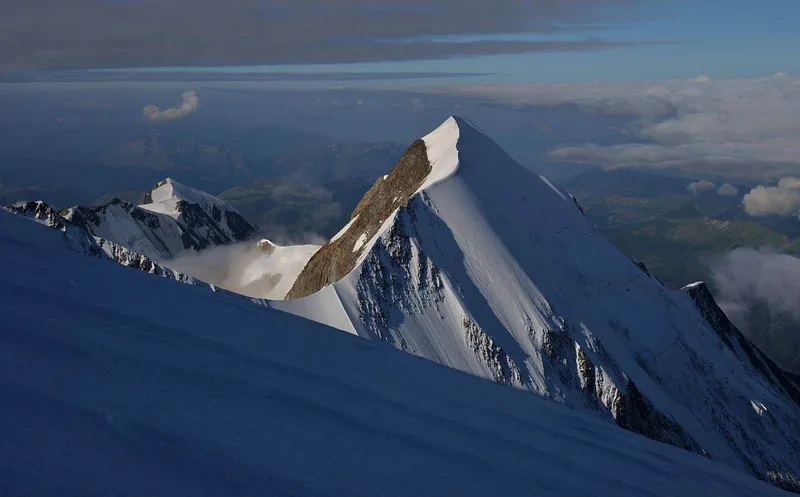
x,y
741,346
338,257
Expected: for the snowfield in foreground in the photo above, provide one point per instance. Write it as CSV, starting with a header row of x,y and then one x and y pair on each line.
x,y
113,381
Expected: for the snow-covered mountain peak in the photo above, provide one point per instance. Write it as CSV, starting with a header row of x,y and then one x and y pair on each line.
x,y
464,257
442,148
166,196
174,219
457,152
457,143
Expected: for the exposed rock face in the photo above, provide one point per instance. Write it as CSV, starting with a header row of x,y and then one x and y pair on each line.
x,y
79,240
504,369
491,270
740,345
338,257
163,154
164,231
400,280
40,211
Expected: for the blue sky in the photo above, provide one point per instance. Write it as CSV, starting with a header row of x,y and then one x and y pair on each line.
x,y
718,38
572,40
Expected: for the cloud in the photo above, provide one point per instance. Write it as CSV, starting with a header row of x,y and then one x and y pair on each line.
x,y
196,75
782,199
697,187
746,277
727,190
48,34
189,104
244,268
733,127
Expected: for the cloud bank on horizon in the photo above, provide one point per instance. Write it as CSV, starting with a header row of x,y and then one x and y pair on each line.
x,y
747,277
103,34
782,199
189,104
728,127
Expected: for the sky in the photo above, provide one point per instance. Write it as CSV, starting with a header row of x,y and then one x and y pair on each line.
x,y
509,41
709,88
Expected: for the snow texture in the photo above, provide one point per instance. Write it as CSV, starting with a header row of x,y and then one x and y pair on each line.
x,y
164,198
76,239
491,270
343,230
175,219
362,239
114,382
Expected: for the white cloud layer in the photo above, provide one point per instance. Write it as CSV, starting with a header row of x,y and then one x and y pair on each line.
x,y
728,190
737,127
747,276
782,199
697,187
189,104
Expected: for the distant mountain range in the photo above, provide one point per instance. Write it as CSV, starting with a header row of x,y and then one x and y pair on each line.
x,y
296,212
160,153
211,160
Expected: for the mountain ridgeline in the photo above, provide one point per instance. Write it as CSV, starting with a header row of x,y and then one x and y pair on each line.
x,y
461,256
116,382
171,220
77,239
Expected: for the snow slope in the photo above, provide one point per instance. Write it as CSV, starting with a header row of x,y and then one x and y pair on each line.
x,y
175,219
491,270
76,239
114,382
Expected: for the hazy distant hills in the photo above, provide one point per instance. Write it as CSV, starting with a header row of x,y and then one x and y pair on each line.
x,y
162,153
267,159
266,142
336,162
294,212
655,219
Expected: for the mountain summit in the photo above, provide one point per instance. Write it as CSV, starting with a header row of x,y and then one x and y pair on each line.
x,y
172,219
462,256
